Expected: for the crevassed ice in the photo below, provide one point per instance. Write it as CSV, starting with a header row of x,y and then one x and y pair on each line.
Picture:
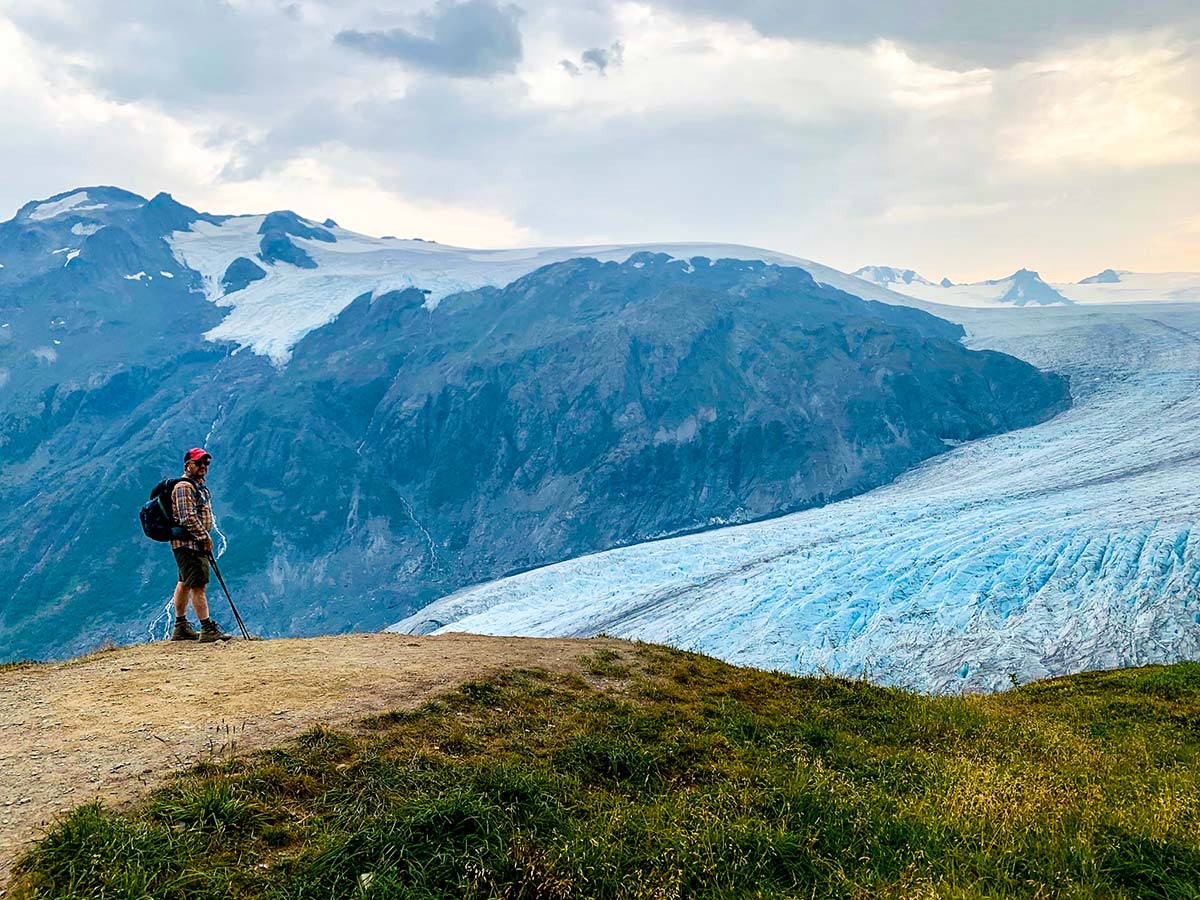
x,y
1067,546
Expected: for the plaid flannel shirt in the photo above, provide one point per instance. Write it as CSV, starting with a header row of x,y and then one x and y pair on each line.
x,y
193,510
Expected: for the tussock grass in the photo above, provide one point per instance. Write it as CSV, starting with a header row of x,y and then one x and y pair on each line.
x,y
662,774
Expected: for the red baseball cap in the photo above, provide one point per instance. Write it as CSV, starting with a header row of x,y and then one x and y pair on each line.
x,y
196,453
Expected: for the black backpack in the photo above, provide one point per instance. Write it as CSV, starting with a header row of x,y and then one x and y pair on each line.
x,y
158,515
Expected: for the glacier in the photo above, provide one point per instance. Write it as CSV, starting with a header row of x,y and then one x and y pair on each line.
x,y
1063,547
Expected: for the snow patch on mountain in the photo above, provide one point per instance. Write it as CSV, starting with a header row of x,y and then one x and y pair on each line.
x,y
1067,546
77,202
270,315
887,276
84,230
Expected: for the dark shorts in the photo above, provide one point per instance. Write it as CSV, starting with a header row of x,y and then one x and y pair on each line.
x,y
193,567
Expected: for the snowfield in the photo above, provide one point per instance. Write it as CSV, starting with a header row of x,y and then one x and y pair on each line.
x,y
75,203
1135,287
1064,547
271,315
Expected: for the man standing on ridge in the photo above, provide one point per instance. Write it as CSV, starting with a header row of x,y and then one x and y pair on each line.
x,y
192,504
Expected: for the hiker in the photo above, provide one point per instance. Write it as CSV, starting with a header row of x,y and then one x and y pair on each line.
x,y
193,510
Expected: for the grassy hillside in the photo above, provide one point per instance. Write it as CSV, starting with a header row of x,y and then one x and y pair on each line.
x,y
666,774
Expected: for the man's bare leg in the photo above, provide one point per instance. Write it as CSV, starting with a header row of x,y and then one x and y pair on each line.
x,y
183,629
200,602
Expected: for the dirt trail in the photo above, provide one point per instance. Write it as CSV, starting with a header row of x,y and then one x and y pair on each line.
x,y
113,725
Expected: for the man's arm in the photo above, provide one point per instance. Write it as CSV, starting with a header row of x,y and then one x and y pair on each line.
x,y
187,512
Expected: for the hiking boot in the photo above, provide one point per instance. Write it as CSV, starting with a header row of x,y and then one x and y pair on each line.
x,y
210,631
184,631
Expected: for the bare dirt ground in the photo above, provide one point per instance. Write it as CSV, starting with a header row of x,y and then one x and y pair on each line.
x,y
113,725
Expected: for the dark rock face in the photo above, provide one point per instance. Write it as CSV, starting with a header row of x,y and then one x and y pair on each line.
x,y
287,222
240,273
276,246
406,452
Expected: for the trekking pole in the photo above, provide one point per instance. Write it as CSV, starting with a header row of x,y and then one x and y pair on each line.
x,y
242,625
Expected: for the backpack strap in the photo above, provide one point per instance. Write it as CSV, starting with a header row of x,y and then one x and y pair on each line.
x,y
203,495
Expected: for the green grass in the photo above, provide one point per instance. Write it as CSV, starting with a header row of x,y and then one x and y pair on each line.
x,y
660,774
18,664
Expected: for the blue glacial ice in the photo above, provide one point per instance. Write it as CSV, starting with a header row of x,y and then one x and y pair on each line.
x,y
1068,546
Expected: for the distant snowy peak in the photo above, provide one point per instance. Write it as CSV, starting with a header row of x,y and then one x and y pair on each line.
x,y
887,276
1108,276
1026,288
1022,288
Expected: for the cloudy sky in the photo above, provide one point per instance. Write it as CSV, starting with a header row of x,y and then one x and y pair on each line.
x,y
961,139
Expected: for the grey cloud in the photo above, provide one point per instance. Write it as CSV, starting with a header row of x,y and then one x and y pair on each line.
x,y
600,59
597,59
982,32
474,39
185,56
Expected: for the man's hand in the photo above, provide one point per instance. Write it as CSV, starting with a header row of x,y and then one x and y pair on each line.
x,y
206,545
